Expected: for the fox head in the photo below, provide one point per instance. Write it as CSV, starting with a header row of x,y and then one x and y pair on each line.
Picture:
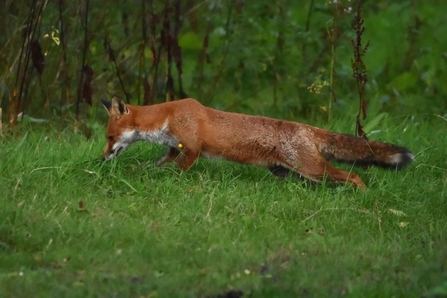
x,y
120,131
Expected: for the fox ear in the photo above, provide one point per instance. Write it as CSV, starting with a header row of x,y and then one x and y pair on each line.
x,y
107,104
118,107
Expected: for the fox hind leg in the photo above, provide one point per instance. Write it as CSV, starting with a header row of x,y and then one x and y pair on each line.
x,y
284,172
343,176
316,170
280,171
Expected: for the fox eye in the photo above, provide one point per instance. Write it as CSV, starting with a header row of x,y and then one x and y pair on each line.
x,y
110,138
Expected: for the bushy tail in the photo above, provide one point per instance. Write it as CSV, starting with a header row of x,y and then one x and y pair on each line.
x,y
360,152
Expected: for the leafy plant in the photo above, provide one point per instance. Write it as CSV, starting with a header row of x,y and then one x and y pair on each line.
x,y
260,57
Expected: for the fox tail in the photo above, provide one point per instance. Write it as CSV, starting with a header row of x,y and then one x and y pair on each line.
x,y
360,152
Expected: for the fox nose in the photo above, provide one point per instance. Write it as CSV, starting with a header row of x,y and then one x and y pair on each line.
x,y
105,156
109,155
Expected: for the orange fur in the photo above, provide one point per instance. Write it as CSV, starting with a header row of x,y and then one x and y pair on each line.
x,y
191,130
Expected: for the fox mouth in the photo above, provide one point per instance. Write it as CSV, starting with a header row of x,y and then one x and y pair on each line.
x,y
117,151
113,153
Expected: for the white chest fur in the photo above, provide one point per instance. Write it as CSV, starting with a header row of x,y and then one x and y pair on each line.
x,y
160,136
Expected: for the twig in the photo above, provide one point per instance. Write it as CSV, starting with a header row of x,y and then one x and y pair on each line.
x,y
225,52
306,30
65,90
334,209
176,49
165,42
113,59
84,55
430,166
31,54
333,34
21,73
359,69
197,6
51,168
156,53
142,53
211,204
377,211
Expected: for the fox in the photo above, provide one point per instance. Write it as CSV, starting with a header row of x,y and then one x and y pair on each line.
x,y
191,130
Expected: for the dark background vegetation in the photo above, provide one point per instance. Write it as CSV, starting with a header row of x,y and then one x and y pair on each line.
x,y
289,59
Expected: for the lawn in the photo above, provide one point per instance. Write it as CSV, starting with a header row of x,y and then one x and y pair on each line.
x,y
73,226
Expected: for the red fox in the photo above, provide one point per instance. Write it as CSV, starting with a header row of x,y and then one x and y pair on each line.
x,y
191,130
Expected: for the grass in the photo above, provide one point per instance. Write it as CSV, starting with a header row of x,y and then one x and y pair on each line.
x,y
73,226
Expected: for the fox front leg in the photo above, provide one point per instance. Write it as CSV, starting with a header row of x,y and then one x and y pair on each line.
x,y
171,156
187,158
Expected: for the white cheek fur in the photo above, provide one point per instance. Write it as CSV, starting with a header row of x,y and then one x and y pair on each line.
x,y
127,138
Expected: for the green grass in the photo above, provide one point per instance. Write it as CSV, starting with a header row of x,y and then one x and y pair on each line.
x,y
156,232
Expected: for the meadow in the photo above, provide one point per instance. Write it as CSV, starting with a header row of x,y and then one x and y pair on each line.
x,y
73,226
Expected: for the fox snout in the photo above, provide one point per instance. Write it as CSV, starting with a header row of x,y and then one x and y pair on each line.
x,y
112,150
108,150
111,153
106,156
109,156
